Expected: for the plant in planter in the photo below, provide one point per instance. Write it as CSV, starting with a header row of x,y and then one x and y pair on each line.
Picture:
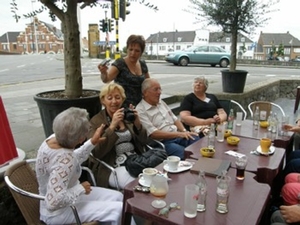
x,y
233,16
53,102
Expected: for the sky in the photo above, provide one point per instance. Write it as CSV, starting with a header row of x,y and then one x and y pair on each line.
x,y
145,21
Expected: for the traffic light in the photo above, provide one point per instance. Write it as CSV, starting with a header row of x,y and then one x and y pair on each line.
x,y
123,12
101,24
104,25
110,25
114,9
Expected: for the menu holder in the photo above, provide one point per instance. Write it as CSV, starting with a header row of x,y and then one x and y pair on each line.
x,y
211,167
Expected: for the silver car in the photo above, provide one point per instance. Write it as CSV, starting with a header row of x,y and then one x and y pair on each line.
x,y
206,54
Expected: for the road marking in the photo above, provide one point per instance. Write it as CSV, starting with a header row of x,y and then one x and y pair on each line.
x,y
3,70
21,66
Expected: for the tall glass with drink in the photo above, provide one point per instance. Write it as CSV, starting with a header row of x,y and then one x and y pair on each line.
x,y
240,163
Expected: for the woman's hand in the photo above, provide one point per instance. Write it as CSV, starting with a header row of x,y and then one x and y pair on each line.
x,y
117,117
97,137
217,119
291,128
102,68
291,214
87,186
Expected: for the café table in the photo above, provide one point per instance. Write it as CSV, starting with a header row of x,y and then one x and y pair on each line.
x,y
247,130
265,167
248,200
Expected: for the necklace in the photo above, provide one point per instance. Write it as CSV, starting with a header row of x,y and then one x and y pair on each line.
x,y
134,68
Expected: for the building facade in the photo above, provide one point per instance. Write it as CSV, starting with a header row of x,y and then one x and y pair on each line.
x,y
38,37
163,42
269,41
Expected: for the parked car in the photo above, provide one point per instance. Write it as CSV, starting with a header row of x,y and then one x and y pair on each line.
x,y
297,59
206,54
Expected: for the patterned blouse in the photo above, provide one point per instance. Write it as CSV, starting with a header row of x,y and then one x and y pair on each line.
x,y
58,171
124,147
130,82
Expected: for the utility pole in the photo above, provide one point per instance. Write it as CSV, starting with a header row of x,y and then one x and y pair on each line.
x,y
115,14
107,37
34,30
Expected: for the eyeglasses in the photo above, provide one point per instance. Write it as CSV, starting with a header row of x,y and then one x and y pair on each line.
x,y
156,89
165,211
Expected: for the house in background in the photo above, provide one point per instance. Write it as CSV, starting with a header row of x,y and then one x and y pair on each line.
x,y
266,41
163,42
245,48
37,37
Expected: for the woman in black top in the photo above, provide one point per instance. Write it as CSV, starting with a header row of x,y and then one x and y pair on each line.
x,y
200,108
130,71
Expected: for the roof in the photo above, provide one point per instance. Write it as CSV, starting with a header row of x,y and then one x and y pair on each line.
x,y
221,37
186,36
58,33
12,36
279,38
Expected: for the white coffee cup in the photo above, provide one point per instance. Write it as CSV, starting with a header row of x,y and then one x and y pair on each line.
x,y
172,162
147,175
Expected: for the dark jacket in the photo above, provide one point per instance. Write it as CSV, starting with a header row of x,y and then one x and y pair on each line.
x,y
106,150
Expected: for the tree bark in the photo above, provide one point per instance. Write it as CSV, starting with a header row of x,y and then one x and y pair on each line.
x,y
73,77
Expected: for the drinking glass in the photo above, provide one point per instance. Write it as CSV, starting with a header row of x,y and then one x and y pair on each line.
x,y
159,188
284,121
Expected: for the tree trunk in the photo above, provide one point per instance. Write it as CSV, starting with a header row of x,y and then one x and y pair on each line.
x,y
73,77
234,35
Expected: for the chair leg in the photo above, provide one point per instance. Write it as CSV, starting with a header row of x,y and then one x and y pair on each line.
x,y
297,99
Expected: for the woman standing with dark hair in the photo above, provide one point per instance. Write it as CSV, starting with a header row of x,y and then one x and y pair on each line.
x,y
130,71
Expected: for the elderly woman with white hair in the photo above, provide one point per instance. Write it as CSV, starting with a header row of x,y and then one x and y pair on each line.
x,y
58,169
200,108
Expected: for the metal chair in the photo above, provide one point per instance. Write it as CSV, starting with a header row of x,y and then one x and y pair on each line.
x,y
231,104
266,106
95,162
22,182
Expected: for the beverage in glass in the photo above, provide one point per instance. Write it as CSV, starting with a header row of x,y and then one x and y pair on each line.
x,y
191,195
159,188
240,164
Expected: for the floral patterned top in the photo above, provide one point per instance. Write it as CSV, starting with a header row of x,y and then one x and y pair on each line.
x,y
130,82
58,171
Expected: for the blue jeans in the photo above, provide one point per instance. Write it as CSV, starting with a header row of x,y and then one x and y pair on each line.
x,y
176,146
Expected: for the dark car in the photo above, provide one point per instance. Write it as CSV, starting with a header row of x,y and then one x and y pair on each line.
x,y
206,54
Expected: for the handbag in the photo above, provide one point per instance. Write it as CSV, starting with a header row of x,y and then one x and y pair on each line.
x,y
135,163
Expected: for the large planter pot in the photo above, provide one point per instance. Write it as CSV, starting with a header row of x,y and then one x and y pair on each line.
x,y
234,81
50,107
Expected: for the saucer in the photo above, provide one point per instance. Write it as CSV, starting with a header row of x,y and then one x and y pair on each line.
x,y
271,150
182,166
143,182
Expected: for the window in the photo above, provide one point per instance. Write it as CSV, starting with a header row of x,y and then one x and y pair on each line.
x,y
179,39
227,39
242,39
202,49
47,38
50,46
178,47
30,36
14,46
165,39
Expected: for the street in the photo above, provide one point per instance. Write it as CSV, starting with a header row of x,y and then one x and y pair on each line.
x,y
22,76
